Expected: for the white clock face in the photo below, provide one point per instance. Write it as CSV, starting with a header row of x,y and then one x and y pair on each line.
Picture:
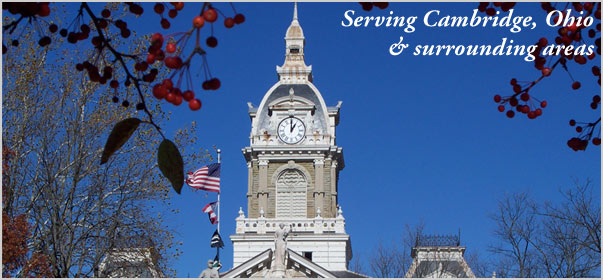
x,y
291,130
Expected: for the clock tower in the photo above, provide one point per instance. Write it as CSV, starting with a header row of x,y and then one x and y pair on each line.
x,y
293,166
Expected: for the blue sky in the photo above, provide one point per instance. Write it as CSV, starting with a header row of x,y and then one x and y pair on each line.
x,y
421,135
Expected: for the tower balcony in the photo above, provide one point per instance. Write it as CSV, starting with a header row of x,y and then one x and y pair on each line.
x,y
314,225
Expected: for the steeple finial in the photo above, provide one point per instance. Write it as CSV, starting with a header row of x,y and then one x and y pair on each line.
x,y
294,70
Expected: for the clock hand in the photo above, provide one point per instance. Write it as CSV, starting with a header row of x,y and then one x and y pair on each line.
x,y
291,125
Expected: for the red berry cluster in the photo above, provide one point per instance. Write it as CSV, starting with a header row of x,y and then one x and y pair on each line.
x,y
596,101
581,142
79,35
123,28
586,130
172,58
134,8
571,34
577,144
172,62
209,15
485,7
172,13
211,84
525,104
367,6
29,10
166,89
155,53
174,95
597,72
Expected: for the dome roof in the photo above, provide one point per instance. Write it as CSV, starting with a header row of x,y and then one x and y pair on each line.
x,y
307,91
294,31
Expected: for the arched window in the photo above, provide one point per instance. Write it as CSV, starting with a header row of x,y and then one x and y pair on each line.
x,y
291,199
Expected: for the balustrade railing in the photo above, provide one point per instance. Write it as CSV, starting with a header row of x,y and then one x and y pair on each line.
x,y
297,225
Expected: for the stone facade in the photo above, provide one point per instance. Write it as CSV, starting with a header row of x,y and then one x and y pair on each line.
x,y
321,189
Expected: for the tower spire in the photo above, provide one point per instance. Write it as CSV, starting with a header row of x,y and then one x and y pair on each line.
x,y
294,70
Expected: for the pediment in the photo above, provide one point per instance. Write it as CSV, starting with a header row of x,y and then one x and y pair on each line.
x,y
259,267
251,267
291,102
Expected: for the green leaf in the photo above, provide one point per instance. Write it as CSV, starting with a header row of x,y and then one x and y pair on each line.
x,y
171,164
119,136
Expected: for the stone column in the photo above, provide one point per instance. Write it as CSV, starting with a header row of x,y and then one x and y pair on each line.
x,y
319,190
333,186
249,184
263,184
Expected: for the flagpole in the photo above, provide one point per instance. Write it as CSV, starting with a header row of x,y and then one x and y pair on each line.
x,y
219,152
218,227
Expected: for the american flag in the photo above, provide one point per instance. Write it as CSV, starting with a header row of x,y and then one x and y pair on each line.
x,y
209,209
206,178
